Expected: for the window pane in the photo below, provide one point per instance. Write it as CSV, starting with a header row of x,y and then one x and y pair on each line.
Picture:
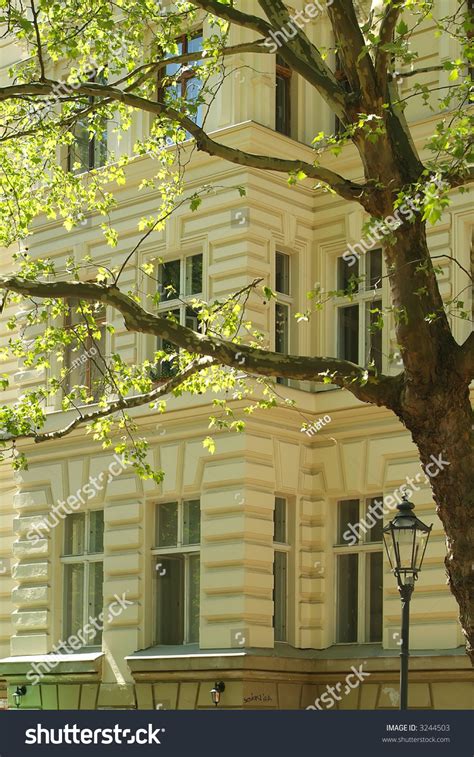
x,y
281,328
345,273
74,598
374,268
193,274
195,43
82,359
347,598
172,68
374,332
97,370
76,364
375,599
348,331
99,149
167,532
279,520
193,88
79,149
95,597
169,600
75,355
279,596
282,273
192,522
167,366
192,321
74,542
348,514
169,279
173,93
374,533
96,531
193,598
282,104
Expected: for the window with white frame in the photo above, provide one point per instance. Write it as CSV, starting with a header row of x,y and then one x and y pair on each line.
x,y
283,91
87,151
84,357
283,305
180,281
180,86
177,572
83,572
281,549
359,571
359,316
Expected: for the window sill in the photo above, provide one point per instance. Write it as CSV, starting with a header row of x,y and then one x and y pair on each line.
x,y
87,664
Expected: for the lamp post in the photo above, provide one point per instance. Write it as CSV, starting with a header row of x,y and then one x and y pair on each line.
x,y
405,539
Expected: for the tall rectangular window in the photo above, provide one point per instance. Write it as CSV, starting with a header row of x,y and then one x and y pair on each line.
x,y
283,305
180,281
283,97
359,577
348,332
359,312
280,569
177,572
181,85
83,573
84,357
87,151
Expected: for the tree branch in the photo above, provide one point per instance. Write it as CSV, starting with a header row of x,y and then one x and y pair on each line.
x,y
231,14
35,15
345,188
355,58
390,16
395,75
125,403
299,53
153,66
379,390
303,57
459,178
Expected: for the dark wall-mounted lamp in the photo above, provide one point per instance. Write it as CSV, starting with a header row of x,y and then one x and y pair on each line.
x,y
19,692
216,692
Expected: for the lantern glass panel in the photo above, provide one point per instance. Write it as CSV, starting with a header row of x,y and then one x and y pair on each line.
x,y
388,540
405,538
421,539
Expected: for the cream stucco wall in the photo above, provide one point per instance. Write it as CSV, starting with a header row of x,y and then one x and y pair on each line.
x,y
363,451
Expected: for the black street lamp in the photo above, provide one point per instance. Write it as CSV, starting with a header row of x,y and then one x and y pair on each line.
x,y
405,539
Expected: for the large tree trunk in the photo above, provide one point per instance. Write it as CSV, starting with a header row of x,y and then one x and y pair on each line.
x,y
434,404
442,425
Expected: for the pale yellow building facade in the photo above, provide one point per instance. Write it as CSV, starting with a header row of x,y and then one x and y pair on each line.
x,y
264,593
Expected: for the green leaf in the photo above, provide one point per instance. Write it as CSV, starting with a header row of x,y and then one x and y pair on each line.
x,y
209,444
195,202
268,293
402,28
